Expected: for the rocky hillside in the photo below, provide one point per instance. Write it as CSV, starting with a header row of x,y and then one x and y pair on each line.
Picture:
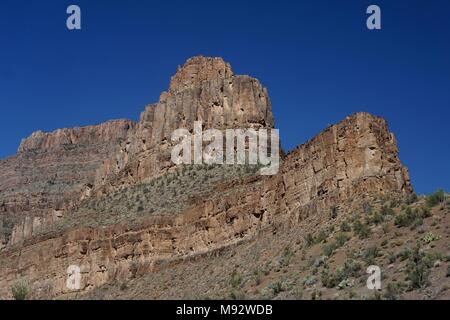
x,y
108,199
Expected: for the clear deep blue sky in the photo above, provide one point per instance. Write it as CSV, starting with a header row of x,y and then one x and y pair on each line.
x,y
317,58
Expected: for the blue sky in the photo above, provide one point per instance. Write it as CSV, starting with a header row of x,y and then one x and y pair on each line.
x,y
317,58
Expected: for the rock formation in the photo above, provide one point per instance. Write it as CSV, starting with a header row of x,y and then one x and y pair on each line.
x,y
356,157
50,172
203,89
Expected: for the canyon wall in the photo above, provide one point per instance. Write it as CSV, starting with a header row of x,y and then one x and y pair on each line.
x,y
354,159
50,172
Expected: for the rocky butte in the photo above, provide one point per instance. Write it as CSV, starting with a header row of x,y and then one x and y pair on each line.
x,y
108,199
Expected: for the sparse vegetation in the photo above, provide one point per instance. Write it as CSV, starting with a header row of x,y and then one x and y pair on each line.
x,y
370,254
345,227
430,237
236,279
418,268
435,198
20,290
361,230
286,256
412,217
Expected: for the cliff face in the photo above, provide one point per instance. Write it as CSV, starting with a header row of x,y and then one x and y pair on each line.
x,y
203,89
353,160
50,172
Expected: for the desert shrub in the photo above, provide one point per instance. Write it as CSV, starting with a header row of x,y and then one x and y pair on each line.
x,y
392,291
236,295
309,280
350,268
316,295
286,256
430,237
309,240
404,254
20,290
361,230
276,287
257,275
370,254
410,217
425,212
236,279
376,218
418,268
328,280
321,237
367,208
341,239
345,227
7,223
435,198
328,249
412,198
386,211
391,257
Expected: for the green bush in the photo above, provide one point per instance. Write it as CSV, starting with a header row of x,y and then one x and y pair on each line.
x,y
411,217
412,199
370,254
286,257
349,269
236,279
418,269
386,211
321,237
376,218
328,249
436,198
309,240
430,237
392,291
276,287
341,239
362,230
20,290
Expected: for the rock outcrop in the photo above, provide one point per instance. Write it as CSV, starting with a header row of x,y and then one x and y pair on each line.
x,y
357,158
204,89
51,171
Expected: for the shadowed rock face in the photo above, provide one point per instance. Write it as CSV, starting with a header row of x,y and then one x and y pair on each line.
x,y
356,158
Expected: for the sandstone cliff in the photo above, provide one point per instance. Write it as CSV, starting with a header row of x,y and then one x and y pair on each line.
x,y
203,89
50,171
356,158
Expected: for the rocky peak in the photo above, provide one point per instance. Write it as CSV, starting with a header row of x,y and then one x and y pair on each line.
x,y
199,69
